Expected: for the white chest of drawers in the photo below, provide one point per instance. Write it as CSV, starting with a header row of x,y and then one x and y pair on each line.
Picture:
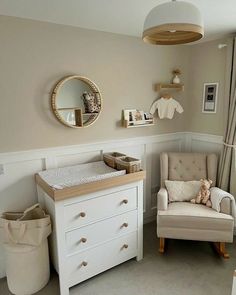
x,y
95,226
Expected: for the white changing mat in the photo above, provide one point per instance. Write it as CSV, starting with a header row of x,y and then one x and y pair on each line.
x,y
74,175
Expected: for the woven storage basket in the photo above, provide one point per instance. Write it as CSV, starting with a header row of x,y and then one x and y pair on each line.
x,y
129,164
110,158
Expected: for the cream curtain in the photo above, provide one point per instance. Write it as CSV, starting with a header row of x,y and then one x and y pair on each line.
x,y
227,167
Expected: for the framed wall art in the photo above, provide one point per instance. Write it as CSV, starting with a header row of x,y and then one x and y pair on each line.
x,y
210,94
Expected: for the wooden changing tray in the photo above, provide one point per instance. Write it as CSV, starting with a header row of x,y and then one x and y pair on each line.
x,y
86,188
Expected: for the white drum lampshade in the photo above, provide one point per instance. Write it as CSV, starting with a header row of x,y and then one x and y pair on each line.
x,y
171,23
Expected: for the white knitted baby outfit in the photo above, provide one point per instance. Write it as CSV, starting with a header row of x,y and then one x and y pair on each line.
x,y
166,108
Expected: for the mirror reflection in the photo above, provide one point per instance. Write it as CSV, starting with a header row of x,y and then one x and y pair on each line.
x,y
76,101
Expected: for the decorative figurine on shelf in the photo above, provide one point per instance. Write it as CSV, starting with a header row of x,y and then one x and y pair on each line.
x,y
176,73
91,103
138,117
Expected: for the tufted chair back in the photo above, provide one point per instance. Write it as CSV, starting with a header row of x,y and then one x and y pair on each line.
x,y
188,166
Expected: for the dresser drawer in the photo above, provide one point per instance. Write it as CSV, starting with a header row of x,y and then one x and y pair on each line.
x,y
100,232
96,260
85,212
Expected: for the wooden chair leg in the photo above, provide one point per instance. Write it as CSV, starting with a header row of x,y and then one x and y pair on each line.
x,y
162,245
220,249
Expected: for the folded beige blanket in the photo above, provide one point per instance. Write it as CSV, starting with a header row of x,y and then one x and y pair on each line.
x,y
217,195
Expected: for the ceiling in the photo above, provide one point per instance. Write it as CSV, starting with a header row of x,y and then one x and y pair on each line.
x,y
118,16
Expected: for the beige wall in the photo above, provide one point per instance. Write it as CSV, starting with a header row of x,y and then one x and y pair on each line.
x,y
35,55
207,64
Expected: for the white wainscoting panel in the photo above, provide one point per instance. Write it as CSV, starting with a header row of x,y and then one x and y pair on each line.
x,y
17,190
174,145
78,158
204,142
17,185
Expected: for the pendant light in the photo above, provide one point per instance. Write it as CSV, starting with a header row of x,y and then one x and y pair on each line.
x,y
171,23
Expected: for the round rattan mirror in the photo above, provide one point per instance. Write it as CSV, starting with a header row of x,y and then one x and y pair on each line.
x,y
76,101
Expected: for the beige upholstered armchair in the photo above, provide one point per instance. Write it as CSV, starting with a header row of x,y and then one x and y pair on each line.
x,y
184,220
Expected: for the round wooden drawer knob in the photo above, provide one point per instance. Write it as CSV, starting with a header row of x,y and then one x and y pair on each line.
x,y
82,214
126,246
83,240
125,201
84,263
125,224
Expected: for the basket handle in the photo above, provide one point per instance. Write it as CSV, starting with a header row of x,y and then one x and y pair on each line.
x,y
9,234
31,208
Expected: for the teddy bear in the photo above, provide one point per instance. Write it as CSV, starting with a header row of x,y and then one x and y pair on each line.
x,y
203,197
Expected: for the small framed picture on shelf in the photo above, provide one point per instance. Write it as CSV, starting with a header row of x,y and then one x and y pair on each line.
x,y
138,117
127,114
148,116
210,94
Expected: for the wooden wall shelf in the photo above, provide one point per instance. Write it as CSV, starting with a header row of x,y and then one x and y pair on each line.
x,y
163,86
68,109
78,115
131,124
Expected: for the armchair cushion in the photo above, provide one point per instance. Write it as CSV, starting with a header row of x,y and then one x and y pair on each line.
x,y
187,166
181,191
184,220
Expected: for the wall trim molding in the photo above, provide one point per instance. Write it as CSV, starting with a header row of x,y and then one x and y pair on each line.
x,y
205,137
190,137
11,157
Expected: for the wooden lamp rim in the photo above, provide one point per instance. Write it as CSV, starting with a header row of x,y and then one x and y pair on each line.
x,y
193,33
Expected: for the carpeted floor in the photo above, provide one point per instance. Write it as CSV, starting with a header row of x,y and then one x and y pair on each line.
x,y
187,268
